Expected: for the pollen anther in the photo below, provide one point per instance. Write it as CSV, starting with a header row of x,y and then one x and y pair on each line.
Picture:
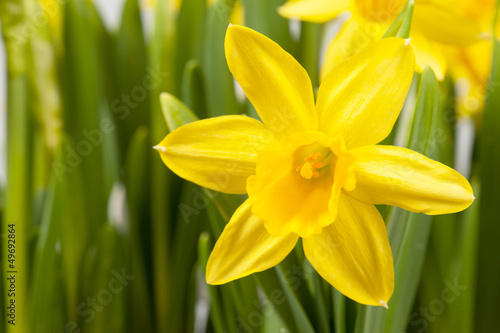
x,y
313,164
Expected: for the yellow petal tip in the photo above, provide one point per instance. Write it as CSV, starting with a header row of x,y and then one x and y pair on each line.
x,y
407,41
210,278
160,148
384,304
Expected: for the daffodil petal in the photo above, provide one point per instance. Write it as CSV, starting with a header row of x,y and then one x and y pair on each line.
x,y
217,153
276,84
361,98
353,253
428,54
401,177
245,247
354,36
319,11
443,24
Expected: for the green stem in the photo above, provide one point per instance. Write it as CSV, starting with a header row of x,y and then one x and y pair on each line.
x,y
18,198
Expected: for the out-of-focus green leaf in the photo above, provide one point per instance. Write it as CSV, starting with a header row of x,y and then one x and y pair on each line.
x,y
164,186
189,32
488,269
339,315
460,317
218,80
45,286
135,78
175,112
190,222
70,210
192,90
262,16
137,195
81,107
217,315
106,283
321,307
18,195
402,24
309,49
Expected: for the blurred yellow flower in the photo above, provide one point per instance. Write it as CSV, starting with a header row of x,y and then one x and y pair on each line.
x,y
313,170
434,22
470,65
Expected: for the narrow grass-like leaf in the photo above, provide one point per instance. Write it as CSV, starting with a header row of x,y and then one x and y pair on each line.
x,y
269,282
309,48
189,34
70,210
299,315
216,312
18,196
320,305
46,273
218,80
175,112
262,16
81,106
192,90
190,222
402,24
137,195
339,315
106,283
488,269
135,78
163,184
461,314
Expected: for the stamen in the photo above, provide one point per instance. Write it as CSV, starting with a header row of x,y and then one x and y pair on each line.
x,y
307,171
314,162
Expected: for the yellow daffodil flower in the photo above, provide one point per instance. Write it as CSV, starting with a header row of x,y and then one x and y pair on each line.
x,y
470,65
435,22
313,170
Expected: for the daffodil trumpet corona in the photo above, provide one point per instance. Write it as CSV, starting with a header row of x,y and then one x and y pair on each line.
x,y
312,169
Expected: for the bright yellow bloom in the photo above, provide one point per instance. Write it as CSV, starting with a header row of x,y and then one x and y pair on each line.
x,y
435,22
312,170
470,65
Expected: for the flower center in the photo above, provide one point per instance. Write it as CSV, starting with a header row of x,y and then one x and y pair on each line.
x,y
316,163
